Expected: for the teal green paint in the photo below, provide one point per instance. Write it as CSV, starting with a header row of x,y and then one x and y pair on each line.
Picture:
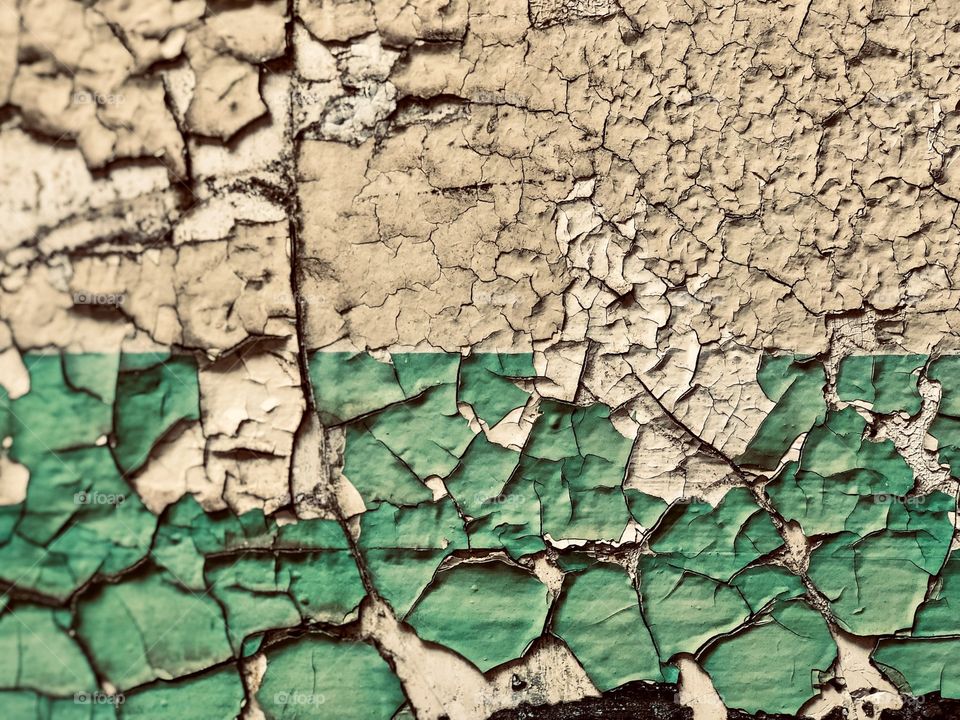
x,y
402,547
488,612
317,677
716,541
219,582
919,667
875,583
774,664
485,384
599,618
150,401
887,382
216,695
685,610
37,652
797,388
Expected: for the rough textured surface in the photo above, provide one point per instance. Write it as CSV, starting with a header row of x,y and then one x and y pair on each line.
x,y
461,359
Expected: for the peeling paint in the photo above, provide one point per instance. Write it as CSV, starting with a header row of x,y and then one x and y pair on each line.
x,y
452,359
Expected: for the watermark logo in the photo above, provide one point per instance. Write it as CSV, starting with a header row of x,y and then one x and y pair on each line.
x,y
296,697
502,499
882,498
98,698
302,97
98,498
89,97
87,298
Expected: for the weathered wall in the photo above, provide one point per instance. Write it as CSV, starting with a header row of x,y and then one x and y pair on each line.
x,y
456,359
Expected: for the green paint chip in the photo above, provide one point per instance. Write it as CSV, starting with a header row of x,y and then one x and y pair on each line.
x,y
716,541
843,481
946,371
685,610
150,401
80,519
797,388
920,667
317,677
888,382
486,385
254,594
772,665
378,474
417,372
488,612
348,385
213,696
426,433
645,509
576,460
478,481
761,585
688,593
37,653
402,547
598,616
940,613
149,628
876,583
325,584
54,416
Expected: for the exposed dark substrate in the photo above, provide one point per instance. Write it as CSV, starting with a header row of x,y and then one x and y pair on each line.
x,y
926,707
647,701
633,701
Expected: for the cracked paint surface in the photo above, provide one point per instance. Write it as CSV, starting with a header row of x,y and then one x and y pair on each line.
x,y
459,359
481,541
